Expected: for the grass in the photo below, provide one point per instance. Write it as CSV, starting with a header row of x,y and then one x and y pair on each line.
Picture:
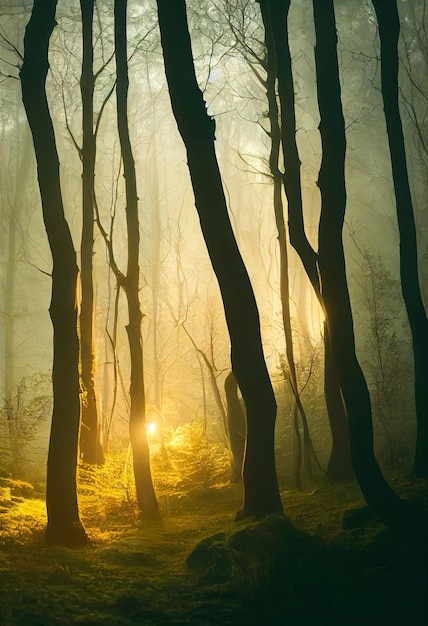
x,y
197,566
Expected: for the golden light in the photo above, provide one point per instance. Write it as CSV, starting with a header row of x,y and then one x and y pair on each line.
x,y
151,428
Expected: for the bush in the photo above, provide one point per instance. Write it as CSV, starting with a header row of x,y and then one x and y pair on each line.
x,y
188,460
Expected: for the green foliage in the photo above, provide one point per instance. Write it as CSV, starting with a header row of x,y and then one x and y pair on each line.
x,y
184,463
21,513
309,571
189,460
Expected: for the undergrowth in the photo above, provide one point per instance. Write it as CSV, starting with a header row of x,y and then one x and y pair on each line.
x,y
198,566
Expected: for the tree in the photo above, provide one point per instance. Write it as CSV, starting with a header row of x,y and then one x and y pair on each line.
x,y
389,30
236,426
146,497
275,19
301,455
331,264
90,444
210,366
414,99
197,129
64,526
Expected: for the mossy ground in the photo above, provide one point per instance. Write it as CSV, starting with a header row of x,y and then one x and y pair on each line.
x,y
307,572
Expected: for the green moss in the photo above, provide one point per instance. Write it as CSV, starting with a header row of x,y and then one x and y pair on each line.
x,y
197,566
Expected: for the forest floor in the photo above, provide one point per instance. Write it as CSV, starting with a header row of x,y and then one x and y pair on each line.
x,y
307,571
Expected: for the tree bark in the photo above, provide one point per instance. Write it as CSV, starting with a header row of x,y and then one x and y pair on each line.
x,y
378,494
339,467
146,496
64,526
197,129
156,249
90,443
275,15
236,426
389,31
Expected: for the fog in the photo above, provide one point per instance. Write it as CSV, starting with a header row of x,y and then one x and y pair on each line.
x,y
183,324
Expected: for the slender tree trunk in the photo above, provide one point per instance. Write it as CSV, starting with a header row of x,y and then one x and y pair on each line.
x,y
305,342
275,15
156,262
90,443
213,380
156,254
112,338
9,326
389,30
204,396
9,330
236,426
146,497
261,492
378,494
297,449
64,526
339,465
275,136
106,390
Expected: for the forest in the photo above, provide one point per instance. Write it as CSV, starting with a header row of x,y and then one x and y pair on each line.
x,y
214,337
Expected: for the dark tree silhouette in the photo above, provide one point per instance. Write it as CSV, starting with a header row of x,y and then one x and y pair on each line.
x,y
389,31
302,451
275,19
64,526
90,445
236,426
146,497
197,129
331,262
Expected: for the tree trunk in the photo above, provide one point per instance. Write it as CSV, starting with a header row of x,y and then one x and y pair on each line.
x,y
389,30
146,497
378,494
236,426
306,346
9,325
297,449
90,444
212,378
261,492
112,339
275,15
64,526
156,278
305,446
339,467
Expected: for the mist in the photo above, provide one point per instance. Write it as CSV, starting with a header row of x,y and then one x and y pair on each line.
x,y
155,291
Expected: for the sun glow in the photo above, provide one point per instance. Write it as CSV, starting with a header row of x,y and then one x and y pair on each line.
x,y
151,428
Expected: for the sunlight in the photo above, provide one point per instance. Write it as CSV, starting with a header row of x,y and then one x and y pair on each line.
x,y
151,428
